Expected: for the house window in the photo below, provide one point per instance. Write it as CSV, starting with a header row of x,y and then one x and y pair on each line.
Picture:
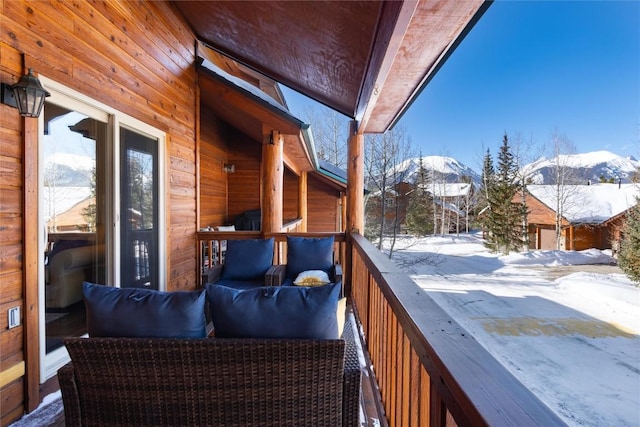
x,y
100,210
389,202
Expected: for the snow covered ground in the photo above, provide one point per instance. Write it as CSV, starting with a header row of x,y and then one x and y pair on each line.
x,y
573,340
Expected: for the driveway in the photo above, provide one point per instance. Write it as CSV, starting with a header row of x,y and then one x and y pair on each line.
x,y
556,328
556,272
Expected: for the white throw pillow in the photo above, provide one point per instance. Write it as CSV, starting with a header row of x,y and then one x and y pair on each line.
x,y
312,278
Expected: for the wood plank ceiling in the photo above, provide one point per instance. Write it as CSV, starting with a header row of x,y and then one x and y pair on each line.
x,y
366,59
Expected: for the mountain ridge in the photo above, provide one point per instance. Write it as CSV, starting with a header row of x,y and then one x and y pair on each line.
x,y
581,168
73,170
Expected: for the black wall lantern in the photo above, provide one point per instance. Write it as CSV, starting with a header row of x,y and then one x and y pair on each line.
x,y
27,95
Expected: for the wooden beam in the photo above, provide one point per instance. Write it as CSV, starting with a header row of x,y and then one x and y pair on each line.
x,y
272,180
343,211
302,200
291,164
394,22
31,258
198,148
355,180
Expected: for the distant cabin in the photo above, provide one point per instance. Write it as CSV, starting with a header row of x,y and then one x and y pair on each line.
x,y
591,215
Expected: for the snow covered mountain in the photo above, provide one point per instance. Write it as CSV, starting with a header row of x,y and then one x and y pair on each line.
x,y
68,170
439,168
75,171
582,168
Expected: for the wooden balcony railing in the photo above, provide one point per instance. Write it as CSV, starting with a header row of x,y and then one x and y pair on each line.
x,y
430,371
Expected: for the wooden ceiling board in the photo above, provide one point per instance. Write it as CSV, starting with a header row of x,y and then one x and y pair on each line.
x,y
216,91
366,59
320,48
245,113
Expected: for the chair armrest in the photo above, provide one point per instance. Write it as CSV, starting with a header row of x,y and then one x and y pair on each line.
x,y
337,273
212,275
275,275
70,396
351,380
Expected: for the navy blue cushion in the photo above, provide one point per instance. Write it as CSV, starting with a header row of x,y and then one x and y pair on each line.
x,y
63,244
275,311
241,284
134,312
308,253
247,259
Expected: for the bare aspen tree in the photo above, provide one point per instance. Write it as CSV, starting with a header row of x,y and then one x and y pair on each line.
x,y
524,151
468,199
329,134
563,180
383,155
437,186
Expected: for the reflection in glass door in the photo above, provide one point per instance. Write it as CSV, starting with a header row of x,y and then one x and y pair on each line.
x,y
138,210
74,209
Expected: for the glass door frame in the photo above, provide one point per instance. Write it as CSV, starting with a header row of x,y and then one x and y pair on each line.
x,y
146,147
71,99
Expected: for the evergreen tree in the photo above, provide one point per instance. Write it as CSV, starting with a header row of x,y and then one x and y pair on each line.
x,y
488,175
89,213
418,220
467,202
629,256
503,217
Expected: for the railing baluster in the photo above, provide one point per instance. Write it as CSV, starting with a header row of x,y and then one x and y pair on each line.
x,y
406,381
429,372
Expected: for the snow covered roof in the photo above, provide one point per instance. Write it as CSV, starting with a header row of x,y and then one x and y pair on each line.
x,y
588,204
254,91
332,171
441,190
58,200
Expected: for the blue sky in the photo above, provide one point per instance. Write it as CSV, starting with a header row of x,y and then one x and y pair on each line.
x,y
532,69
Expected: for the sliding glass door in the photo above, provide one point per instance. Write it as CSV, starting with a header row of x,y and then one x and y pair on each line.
x,y
138,210
100,199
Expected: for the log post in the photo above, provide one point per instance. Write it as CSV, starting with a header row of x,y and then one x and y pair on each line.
x,y
355,197
272,180
355,180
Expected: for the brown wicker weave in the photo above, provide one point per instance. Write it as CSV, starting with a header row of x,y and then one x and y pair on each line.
x,y
210,382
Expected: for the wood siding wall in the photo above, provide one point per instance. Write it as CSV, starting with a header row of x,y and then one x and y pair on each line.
x,y
290,196
323,206
135,57
587,237
539,213
213,179
245,183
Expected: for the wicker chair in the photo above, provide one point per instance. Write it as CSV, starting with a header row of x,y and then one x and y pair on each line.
x,y
221,382
305,254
